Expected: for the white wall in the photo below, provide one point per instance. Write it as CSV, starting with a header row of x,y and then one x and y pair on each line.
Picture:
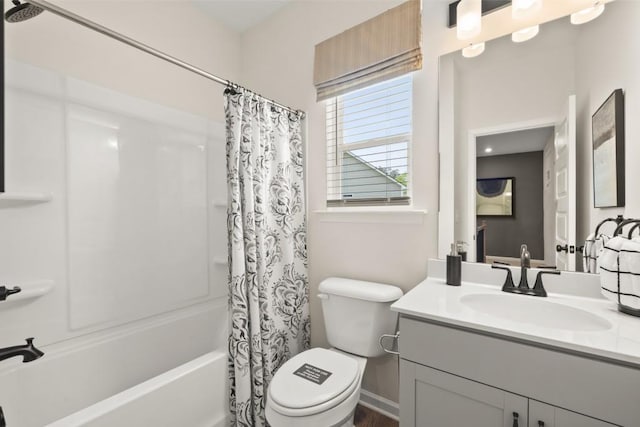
x,y
608,60
174,27
85,361
277,61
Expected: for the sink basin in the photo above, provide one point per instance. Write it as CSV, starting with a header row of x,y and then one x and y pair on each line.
x,y
535,311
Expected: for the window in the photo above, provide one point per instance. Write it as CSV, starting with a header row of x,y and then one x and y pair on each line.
x,y
368,145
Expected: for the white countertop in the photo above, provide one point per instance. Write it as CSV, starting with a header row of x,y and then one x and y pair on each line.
x,y
434,300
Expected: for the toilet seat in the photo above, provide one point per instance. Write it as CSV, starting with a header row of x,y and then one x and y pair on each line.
x,y
302,394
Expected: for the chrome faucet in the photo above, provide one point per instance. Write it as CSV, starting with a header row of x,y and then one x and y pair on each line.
x,y
525,264
523,288
28,352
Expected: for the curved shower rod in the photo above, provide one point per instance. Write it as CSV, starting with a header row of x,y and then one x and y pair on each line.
x,y
57,10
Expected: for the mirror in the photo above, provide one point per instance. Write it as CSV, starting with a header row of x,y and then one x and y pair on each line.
x,y
524,110
2,119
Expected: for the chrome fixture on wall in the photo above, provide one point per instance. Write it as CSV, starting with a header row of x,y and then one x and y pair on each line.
x,y
486,8
466,16
22,12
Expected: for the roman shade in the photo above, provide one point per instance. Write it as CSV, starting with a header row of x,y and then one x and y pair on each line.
x,y
381,48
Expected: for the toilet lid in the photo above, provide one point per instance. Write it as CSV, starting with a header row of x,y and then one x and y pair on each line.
x,y
312,377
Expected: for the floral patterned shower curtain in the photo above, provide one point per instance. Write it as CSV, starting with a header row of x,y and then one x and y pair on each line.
x,y
268,281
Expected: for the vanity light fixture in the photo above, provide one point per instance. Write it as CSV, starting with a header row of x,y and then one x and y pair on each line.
x,y
585,15
469,19
473,50
525,34
522,9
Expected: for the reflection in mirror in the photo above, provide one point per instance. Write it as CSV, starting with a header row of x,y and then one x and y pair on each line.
x,y
552,85
520,209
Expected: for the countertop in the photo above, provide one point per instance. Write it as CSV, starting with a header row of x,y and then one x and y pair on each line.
x,y
434,300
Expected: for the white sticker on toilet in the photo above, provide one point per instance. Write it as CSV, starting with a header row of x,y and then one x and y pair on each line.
x,y
312,373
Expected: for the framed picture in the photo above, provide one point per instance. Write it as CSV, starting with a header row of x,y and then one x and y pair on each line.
x,y
607,126
494,196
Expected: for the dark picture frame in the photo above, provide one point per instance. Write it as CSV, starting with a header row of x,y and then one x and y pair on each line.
x,y
607,132
495,197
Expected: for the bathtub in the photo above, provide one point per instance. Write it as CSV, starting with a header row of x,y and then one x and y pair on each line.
x,y
187,396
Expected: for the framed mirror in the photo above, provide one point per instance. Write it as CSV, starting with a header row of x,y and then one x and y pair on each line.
x,y
553,83
2,173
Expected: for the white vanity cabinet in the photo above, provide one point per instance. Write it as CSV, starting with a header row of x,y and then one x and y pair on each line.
x,y
439,399
434,398
544,415
452,376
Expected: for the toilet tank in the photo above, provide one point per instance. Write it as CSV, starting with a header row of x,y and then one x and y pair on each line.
x,y
357,313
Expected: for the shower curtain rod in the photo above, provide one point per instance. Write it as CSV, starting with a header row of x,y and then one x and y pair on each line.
x,y
57,10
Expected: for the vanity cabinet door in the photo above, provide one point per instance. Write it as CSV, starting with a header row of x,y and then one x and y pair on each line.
x,y
543,415
432,398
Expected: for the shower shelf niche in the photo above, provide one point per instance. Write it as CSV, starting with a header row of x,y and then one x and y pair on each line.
x,y
29,290
12,200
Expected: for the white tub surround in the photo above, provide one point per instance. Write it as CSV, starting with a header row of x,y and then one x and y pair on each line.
x,y
77,373
598,330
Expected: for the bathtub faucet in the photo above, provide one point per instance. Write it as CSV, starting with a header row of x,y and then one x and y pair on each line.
x,y
28,352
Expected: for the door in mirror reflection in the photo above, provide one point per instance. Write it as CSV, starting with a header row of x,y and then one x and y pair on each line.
x,y
565,187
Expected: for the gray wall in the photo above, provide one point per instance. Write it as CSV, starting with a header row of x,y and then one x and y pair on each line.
x,y
506,234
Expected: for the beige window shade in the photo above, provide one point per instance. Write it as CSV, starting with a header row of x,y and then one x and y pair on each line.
x,y
381,48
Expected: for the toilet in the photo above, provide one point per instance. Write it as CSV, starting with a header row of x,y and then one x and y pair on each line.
x,y
321,387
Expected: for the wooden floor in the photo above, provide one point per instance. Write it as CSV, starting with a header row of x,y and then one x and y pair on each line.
x,y
366,417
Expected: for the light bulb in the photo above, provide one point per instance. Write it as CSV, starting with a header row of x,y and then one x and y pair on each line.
x,y
473,50
469,19
588,14
525,34
521,9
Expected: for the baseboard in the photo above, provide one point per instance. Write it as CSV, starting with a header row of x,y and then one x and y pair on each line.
x,y
385,406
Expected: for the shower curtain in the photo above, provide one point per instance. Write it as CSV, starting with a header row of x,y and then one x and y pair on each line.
x,y
268,281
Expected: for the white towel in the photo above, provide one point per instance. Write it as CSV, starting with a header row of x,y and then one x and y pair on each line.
x,y
619,265
586,254
608,267
630,274
596,250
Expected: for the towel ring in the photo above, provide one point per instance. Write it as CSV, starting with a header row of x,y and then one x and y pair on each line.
x,y
618,220
631,221
621,226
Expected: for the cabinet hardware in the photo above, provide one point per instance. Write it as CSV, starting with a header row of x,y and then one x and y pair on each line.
x,y
515,419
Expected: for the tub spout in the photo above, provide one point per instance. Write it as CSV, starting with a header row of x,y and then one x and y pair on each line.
x,y
28,352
